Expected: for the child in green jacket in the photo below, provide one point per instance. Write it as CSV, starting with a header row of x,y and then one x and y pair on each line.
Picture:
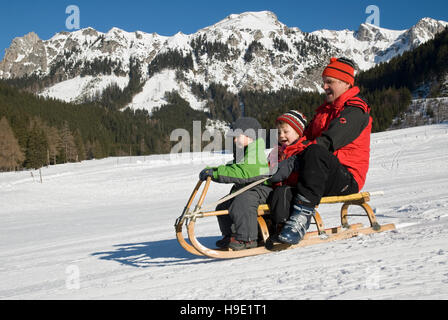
x,y
240,227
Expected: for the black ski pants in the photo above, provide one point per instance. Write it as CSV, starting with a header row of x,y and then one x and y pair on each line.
x,y
241,222
320,174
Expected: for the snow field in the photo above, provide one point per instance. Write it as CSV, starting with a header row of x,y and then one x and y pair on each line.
x,y
103,229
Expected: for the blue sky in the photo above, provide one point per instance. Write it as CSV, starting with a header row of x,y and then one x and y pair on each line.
x,y
46,18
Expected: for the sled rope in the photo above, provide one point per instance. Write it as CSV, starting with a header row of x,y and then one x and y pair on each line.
x,y
198,211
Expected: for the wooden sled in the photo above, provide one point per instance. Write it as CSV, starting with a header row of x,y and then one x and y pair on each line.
x,y
321,235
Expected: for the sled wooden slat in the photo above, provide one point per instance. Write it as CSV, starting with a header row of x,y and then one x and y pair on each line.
x,y
363,196
180,222
321,235
184,243
308,240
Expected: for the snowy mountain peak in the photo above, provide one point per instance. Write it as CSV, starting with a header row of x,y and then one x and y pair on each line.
x,y
370,32
90,32
430,22
424,30
25,56
180,41
115,30
263,20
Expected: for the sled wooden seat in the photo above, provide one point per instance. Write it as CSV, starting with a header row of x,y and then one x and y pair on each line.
x,y
359,199
322,235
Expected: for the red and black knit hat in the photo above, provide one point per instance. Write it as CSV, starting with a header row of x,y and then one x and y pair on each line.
x,y
342,69
295,119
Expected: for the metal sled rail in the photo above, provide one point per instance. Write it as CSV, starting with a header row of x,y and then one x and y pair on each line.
x,y
322,235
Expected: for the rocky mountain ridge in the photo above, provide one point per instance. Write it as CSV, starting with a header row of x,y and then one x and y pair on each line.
x,y
252,50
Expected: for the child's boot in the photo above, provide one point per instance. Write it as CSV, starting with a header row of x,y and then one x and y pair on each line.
x,y
224,242
237,245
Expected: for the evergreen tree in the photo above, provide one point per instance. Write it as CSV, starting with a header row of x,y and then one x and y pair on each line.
x,y
54,144
36,151
11,156
68,145
80,148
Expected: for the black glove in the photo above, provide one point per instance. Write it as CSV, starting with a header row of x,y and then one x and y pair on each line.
x,y
284,169
205,174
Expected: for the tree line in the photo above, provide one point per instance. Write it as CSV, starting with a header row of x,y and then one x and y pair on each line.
x,y
36,131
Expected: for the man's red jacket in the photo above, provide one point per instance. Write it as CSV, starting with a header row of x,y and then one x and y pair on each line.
x,y
344,128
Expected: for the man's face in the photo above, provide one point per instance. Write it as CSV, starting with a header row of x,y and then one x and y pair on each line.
x,y
334,88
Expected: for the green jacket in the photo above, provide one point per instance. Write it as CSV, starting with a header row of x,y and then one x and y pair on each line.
x,y
253,167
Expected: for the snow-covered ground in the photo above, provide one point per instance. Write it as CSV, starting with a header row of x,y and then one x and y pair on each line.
x,y
103,229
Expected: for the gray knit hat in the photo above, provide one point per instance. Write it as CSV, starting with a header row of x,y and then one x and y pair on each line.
x,y
245,125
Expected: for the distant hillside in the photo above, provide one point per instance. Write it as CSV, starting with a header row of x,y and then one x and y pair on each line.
x,y
35,131
424,72
425,65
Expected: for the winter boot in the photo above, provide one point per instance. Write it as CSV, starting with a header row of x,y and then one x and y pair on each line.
x,y
297,225
237,245
273,238
224,242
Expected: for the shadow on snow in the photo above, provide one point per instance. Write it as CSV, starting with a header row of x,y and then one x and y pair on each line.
x,y
155,253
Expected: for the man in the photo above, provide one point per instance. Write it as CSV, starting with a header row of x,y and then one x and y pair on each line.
x,y
335,155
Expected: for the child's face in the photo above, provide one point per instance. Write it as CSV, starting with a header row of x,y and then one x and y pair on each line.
x,y
242,141
286,134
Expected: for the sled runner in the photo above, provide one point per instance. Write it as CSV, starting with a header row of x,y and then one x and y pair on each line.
x,y
321,235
